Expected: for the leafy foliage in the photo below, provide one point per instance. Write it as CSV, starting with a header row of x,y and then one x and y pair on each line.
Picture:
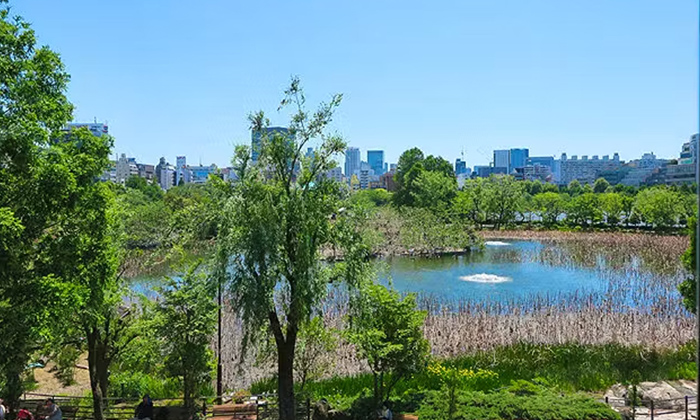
x,y
537,403
387,331
277,218
659,207
37,193
186,323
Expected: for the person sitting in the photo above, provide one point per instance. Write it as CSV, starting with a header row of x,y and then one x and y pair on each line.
x,y
144,411
385,413
24,414
53,411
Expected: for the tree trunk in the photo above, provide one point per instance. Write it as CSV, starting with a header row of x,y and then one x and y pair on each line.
x,y
13,385
188,392
285,386
94,347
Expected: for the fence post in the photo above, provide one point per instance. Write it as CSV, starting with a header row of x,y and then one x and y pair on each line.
x,y
686,407
652,410
606,399
308,409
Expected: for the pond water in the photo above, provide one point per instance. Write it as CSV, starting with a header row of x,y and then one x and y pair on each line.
x,y
528,272
501,271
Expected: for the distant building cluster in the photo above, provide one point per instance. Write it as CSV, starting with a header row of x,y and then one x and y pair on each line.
x,y
376,172
647,170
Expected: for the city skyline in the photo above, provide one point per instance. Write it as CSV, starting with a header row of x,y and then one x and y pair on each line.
x,y
488,76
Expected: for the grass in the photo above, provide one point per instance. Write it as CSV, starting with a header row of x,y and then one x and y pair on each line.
x,y
568,367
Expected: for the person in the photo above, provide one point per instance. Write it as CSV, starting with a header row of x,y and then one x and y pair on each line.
x,y
24,414
386,413
144,411
53,411
3,410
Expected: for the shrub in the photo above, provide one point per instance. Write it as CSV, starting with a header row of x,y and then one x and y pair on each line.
x,y
240,396
135,384
506,405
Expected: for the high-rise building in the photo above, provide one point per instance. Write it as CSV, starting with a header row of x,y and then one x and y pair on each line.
x,y
146,171
487,171
375,158
335,174
126,167
352,161
365,175
200,173
510,159
585,170
266,134
689,151
167,176
501,159
182,172
95,128
460,167
161,164
518,158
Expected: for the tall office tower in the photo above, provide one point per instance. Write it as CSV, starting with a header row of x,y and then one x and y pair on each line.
x,y
352,161
375,158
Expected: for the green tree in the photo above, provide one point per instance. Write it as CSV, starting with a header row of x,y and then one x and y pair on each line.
x,y
411,181
152,191
315,343
600,185
659,207
406,173
549,206
613,206
574,188
89,247
584,209
472,201
434,190
439,164
547,187
36,195
374,197
187,321
277,219
388,333
502,199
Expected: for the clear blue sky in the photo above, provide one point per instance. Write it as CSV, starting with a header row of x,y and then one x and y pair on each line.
x,y
584,77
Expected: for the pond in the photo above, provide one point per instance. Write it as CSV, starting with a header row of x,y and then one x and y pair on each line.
x,y
530,272
501,271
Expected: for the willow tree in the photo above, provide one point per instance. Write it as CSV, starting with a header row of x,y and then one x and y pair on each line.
x,y
281,214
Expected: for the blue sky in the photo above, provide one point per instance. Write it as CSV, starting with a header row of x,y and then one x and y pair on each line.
x,y
582,77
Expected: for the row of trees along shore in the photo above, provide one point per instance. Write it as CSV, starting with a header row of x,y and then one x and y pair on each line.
x,y
501,201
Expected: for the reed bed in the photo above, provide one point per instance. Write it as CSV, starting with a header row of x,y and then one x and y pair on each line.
x,y
639,305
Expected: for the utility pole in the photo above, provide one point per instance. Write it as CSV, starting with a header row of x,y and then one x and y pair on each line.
x,y
219,379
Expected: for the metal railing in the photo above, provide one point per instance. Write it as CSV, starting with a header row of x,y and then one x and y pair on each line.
x,y
81,408
655,406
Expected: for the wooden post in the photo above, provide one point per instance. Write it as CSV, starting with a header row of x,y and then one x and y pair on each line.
x,y
606,399
652,410
686,407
